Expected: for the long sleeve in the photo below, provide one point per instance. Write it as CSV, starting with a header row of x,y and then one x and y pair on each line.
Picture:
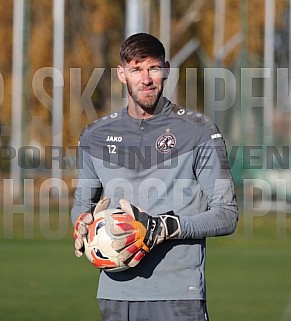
x,y
213,174
88,189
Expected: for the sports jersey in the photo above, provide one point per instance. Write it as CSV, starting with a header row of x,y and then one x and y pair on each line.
x,y
175,160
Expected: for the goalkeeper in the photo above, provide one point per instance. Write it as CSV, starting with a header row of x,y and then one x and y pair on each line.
x,y
167,167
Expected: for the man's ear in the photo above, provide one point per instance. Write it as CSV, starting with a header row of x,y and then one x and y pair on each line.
x,y
121,74
167,70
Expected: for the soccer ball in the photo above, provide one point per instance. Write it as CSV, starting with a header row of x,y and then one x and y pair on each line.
x,y
97,242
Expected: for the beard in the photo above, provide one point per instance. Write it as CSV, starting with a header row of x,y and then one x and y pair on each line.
x,y
145,101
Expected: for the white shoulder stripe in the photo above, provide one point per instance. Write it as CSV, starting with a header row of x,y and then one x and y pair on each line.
x,y
216,136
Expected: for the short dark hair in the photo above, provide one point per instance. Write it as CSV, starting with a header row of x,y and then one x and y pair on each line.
x,y
140,46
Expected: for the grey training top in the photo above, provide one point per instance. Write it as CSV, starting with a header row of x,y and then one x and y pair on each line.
x,y
175,160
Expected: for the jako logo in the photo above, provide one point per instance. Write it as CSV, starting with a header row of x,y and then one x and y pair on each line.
x,y
114,139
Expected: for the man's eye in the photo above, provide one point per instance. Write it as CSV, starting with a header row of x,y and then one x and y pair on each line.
x,y
155,69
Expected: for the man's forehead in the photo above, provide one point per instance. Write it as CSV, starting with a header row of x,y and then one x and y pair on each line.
x,y
144,62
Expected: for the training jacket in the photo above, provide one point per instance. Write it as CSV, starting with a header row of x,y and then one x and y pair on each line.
x,y
175,160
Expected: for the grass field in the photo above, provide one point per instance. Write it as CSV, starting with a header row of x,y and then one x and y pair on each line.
x,y
248,274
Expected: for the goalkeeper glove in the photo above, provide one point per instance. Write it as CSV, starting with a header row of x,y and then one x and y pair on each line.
x,y
142,232
84,219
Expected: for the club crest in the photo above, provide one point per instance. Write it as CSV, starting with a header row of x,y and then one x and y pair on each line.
x,y
166,142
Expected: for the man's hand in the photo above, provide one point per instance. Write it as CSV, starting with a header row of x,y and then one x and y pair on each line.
x,y
142,232
83,220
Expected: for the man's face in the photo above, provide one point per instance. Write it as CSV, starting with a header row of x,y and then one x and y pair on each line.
x,y
145,81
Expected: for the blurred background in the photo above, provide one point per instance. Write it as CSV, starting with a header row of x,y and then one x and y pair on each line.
x,y
231,60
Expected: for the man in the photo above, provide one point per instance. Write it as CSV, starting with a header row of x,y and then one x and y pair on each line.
x,y
170,162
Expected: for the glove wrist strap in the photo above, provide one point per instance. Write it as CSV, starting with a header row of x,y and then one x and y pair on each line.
x,y
172,226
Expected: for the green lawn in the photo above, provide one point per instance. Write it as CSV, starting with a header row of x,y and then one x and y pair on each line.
x,y
248,275
40,280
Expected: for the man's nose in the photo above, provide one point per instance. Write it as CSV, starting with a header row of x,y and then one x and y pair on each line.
x,y
146,78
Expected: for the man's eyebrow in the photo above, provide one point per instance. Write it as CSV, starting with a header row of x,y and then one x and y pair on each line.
x,y
149,66
156,65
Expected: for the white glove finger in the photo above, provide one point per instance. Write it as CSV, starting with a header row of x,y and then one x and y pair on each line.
x,y
78,253
87,219
136,258
79,243
128,252
122,228
126,207
121,243
82,229
117,245
102,205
